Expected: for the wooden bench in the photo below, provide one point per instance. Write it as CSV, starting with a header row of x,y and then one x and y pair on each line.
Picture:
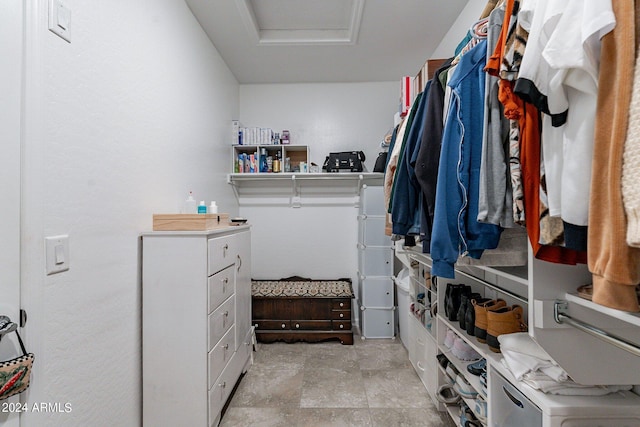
x,y
292,310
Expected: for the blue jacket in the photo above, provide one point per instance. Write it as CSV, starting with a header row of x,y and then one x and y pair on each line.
x,y
456,230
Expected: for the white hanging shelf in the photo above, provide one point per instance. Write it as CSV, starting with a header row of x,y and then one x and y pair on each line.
x,y
301,189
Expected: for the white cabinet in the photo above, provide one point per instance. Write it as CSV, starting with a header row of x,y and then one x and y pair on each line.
x,y
423,346
375,267
196,314
512,403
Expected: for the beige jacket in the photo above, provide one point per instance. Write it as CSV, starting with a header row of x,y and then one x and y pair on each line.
x,y
614,264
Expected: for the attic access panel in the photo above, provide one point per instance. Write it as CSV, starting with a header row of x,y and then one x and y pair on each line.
x,y
302,21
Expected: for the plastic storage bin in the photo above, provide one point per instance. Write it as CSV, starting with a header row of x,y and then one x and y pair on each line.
x,y
376,292
375,261
377,322
372,231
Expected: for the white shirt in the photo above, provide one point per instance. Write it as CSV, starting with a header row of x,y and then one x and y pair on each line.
x,y
573,52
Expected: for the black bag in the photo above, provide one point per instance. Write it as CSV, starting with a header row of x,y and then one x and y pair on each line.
x,y
347,160
381,162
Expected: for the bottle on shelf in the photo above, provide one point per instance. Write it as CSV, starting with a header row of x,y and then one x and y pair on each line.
x,y
213,208
276,162
202,208
190,205
264,167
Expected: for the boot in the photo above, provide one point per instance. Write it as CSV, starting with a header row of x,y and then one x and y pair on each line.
x,y
470,314
465,301
481,309
454,293
505,320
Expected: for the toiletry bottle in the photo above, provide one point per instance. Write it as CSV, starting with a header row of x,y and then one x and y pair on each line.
x,y
213,208
263,160
190,205
202,208
276,162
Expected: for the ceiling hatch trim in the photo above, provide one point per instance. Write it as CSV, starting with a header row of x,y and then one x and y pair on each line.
x,y
308,36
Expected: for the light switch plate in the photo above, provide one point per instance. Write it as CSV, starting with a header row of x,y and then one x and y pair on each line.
x,y
60,19
57,253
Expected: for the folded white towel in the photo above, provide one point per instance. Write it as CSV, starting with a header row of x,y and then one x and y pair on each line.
x,y
524,355
546,384
522,342
521,364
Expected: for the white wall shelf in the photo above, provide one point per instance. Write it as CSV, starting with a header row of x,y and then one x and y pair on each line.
x,y
301,189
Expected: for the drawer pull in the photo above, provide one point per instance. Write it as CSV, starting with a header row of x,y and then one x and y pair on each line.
x,y
225,347
297,325
226,313
226,247
420,366
512,398
284,326
341,315
341,304
222,384
341,326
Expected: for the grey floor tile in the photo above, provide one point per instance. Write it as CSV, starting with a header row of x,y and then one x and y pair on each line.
x,y
334,417
395,388
260,417
333,388
325,355
371,383
280,356
410,417
269,388
383,356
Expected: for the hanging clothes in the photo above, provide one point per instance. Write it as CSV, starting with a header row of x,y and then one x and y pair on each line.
x,y
495,200
404,204
428,159
615,265
631,163
456,230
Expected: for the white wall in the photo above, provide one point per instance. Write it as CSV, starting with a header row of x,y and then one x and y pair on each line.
x,y
315,241
120,124
468,16
327,117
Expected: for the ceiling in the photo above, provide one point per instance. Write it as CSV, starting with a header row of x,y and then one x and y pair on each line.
x,y
303,41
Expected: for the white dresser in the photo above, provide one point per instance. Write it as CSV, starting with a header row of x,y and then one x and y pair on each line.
x,y
196,318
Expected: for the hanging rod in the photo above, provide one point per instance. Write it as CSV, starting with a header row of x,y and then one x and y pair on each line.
x,y
494,287
560,316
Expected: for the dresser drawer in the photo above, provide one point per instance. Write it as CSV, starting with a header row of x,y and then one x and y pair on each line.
x,y
220,390
341,315
341,325
310,325
221,354
222,253
341,304
220,287
267,325
221,320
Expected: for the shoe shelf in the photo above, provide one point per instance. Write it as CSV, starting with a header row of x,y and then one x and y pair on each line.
x,y
482,349
454,412
461,367
422,298
474,383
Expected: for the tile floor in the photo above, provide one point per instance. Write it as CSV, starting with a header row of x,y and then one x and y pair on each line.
x,y
370,383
